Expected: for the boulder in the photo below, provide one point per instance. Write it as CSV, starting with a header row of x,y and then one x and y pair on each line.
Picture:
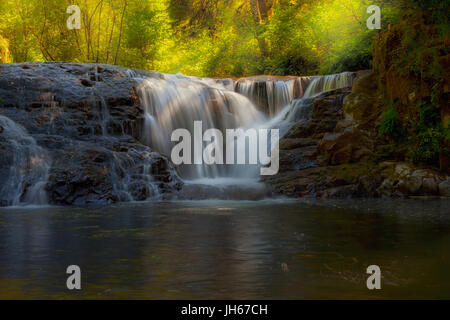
x,y
351,145
444,188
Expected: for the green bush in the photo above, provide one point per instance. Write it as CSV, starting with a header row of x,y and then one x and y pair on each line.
x,y
355,55
429,112
427,143
426,147
389,124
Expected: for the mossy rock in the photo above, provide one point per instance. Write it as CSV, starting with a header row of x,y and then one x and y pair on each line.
x,y
364,104
352,172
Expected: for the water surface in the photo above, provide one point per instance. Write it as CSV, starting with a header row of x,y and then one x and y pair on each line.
x,y
279,249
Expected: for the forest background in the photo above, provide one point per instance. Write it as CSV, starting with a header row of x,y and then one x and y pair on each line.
x,y
215,38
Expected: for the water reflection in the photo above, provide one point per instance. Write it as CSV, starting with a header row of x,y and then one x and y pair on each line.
x,y
225,249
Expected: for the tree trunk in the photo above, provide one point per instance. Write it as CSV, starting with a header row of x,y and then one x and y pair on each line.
x,y
259,10
121,30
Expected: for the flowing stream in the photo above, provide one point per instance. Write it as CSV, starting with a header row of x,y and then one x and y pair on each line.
x,y
176,101
211,249
27,174
173,102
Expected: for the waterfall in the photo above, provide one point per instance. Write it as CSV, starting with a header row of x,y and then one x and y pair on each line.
x,y
329,82
169,102
175,101
134,180
26,166
301,110
272,94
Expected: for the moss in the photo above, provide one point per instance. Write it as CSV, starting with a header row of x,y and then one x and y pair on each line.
x,y
411,62
351,172
363,105
429,131
391,151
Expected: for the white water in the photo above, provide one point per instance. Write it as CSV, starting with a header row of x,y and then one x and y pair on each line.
x,y
172,102
176,101
271,94
329,82
27,174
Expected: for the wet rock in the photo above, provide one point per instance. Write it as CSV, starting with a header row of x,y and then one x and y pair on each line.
x,y
351,145
347,191
405,180
444,188
411,185
90,126
430,186
332,155
85,82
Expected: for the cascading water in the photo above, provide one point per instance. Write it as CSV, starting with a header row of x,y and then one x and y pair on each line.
x,y
301,110
29,164
329,82
131,179
272,94
176,101
170,102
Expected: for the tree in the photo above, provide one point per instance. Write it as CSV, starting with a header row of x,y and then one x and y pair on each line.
x,y
4,51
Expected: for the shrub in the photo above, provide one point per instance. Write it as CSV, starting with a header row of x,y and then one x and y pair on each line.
x,y
389,124
426,147
430,132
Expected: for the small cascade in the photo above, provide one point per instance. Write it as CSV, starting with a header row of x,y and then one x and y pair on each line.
x,y
104,118
272,94
330,82
25,166
175,101
126,170
134,180
300,110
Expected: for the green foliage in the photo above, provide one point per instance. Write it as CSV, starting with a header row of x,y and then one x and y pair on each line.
x,y
427,134
389,124
426,144
357,55
203,38
422,44
429,112
214,37
147,34
4,51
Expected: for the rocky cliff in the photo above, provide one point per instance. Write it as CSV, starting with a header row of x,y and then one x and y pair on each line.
x,y
388,135
86,120
72,134
334,155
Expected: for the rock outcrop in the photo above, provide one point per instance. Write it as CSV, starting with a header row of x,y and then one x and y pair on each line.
x,y
411,66
72,133
340,151
334,154
88,120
